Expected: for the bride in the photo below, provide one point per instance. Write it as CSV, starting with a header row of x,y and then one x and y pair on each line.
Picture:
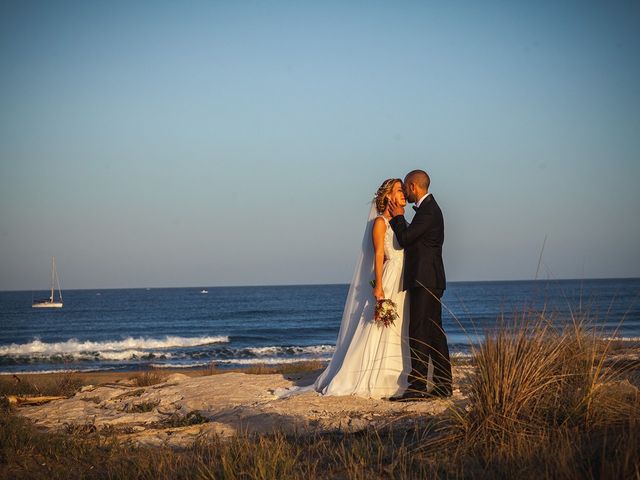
x,y
372,360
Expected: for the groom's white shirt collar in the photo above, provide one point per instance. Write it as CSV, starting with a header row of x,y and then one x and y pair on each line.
x,y
419,202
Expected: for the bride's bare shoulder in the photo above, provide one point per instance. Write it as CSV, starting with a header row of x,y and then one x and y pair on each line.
x,y
379,227
379,223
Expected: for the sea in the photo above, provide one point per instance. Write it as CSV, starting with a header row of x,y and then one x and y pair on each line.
x,y
236,327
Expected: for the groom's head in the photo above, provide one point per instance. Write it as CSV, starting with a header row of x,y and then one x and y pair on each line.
x,y
416,185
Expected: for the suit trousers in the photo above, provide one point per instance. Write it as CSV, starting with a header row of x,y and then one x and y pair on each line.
x,y
427,339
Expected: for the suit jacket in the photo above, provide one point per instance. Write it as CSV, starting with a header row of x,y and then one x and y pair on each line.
x,y
422,242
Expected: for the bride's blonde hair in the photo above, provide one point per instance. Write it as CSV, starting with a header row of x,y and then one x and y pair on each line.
x,y
381,198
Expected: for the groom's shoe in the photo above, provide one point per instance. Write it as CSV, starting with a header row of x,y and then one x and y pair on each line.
x,y
410,396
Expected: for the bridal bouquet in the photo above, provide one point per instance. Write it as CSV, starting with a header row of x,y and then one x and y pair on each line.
x,y
385,313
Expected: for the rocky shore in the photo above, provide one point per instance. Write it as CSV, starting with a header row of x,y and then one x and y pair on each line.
x,y
183,408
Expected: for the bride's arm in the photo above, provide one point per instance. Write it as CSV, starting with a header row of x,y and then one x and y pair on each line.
x,y
379,229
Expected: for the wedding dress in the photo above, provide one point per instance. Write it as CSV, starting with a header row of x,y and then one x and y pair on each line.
x,y
371,360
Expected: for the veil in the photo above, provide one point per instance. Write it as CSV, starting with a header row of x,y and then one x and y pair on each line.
x,y
359,303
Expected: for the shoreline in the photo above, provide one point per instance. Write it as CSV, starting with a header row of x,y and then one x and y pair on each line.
x,y
101,377
456,359
190,371
617,345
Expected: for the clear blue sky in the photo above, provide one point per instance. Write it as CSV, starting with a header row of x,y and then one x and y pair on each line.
x,y
238,143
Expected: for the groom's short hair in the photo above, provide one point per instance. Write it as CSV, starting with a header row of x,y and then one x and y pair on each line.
x,y
419,178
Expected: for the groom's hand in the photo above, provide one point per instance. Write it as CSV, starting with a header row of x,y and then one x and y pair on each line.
x,y
395,209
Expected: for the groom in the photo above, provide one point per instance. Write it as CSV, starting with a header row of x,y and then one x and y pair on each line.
x,y
424,278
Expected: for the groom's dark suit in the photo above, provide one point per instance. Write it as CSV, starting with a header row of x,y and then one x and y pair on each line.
x,y
425,280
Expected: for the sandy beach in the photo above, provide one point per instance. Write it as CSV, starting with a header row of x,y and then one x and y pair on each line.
x,y
186,406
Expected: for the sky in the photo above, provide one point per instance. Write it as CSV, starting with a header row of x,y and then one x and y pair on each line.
x,y
168,144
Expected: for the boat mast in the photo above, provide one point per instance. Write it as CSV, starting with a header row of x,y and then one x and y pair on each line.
x,y
59,289
53,273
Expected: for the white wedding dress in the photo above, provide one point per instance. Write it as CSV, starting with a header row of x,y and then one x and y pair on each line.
x,y
371,360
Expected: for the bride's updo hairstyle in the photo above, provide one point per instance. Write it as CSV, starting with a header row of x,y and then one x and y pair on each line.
x,y
382,198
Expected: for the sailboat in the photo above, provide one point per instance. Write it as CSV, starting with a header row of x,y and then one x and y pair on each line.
x,y
50,302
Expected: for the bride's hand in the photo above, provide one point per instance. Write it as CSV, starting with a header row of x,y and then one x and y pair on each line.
x,y
378,293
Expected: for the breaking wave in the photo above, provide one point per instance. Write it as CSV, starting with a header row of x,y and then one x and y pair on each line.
x,y
74,346
313,349
184,351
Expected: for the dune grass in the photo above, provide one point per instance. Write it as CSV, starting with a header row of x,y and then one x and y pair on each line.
x,y
285,368
59,384
549,402
27,453
543,402
148,378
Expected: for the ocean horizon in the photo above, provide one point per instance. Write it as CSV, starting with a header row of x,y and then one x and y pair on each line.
x,y
126,329
198,285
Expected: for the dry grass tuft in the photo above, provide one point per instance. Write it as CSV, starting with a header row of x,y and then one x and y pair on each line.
x,y
148,378
85,452
59,384
285,368
212,369
544,402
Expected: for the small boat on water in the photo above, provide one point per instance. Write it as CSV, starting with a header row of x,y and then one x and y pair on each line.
x,y
204,291
50,302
